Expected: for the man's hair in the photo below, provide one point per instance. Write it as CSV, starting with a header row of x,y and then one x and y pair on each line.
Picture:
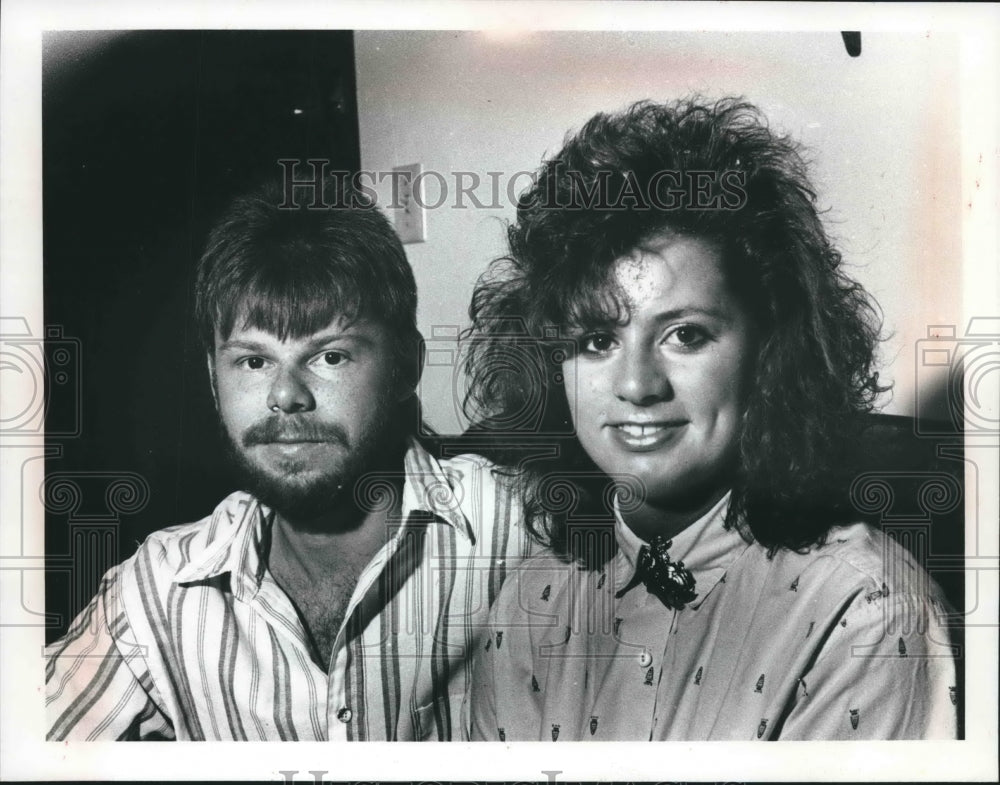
x,y
604,194
282,265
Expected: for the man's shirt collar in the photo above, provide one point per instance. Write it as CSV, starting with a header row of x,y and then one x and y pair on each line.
x,y
706,547
240,527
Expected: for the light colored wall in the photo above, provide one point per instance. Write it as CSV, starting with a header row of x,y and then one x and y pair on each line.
x,y
883,130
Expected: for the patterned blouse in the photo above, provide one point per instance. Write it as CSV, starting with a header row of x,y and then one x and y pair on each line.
x,y
847,641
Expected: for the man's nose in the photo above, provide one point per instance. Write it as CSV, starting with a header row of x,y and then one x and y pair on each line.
x,y
642,377
289,393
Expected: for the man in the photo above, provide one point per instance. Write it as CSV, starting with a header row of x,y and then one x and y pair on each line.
x,y
341,594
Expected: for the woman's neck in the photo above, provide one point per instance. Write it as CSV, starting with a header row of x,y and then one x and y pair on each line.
x,y
669,518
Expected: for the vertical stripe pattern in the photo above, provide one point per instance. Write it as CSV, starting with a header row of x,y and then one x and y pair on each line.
x,y
191,638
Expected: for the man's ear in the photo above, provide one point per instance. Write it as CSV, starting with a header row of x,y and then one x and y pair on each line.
x,y
210,361
413,369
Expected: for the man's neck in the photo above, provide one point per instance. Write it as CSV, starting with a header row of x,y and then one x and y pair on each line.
x,y
318,563
348,535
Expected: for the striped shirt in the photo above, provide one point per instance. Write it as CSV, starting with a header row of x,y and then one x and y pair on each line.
x,y
191,638
847,641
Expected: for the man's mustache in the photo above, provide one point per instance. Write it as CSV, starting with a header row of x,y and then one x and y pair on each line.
x,y
281,429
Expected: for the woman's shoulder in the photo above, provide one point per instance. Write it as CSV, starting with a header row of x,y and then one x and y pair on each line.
x,y
539,583
861,556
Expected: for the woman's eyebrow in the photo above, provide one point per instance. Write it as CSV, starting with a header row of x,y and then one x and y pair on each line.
x,y
590,325
688,311
673,314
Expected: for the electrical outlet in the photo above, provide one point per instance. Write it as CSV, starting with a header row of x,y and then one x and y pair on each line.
x,y
411,221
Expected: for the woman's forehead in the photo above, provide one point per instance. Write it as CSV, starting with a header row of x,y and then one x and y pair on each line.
x,y
676,271
672,268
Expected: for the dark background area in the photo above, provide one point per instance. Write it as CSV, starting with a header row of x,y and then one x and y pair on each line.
x,y
146,136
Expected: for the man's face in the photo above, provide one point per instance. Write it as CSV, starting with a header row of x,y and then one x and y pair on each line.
x,y
660,397
305,416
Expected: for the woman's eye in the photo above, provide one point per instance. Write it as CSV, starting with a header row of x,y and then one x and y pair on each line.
x,y
597,343
688,336
253,363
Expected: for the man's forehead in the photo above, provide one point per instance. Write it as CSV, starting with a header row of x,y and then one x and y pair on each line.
x,y
338,327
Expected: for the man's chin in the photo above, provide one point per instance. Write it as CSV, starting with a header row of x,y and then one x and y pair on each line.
x,y
299,503
293,495
291,485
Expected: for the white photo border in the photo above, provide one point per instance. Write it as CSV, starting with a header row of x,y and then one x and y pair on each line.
x,y
24,753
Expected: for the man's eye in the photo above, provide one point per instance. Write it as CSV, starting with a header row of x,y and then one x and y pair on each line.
x,y
333,358
253,363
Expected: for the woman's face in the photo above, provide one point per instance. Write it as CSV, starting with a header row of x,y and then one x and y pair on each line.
x,y
660,396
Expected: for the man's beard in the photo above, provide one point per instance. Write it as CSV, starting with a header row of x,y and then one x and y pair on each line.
x,y
305,501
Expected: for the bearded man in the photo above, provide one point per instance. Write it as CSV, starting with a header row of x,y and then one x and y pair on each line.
x,y
338,595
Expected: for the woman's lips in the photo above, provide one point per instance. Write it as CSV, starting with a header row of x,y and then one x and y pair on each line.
x,y
646,436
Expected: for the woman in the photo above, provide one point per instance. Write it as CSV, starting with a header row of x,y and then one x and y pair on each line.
x,y
701,364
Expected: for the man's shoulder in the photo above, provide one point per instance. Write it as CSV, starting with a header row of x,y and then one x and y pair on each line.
x,y
478,485
468,471
168,552
470,462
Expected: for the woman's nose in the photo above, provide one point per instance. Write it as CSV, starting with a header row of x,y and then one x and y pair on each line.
x,y
641,378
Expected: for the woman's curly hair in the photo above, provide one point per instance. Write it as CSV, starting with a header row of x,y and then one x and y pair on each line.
x,y
620,180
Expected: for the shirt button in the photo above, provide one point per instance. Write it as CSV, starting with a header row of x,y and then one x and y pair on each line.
x,y
345,715
645,659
